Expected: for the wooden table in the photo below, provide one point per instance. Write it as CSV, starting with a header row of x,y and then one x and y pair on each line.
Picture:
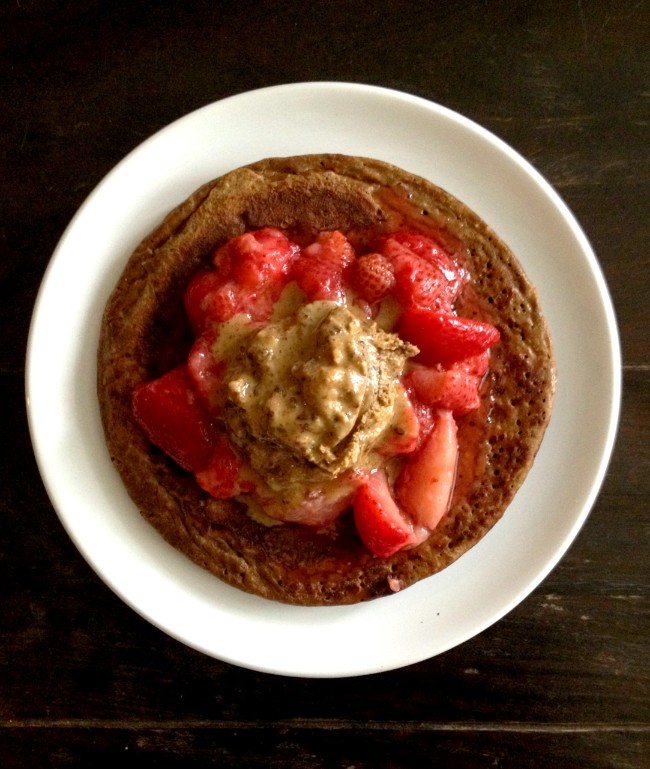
x,y
563,680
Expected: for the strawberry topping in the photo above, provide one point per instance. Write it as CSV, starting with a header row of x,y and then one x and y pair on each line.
x,y
454,389
424,486
206,372
224,475
372,276
318,271
251,271
182,411
425,275
445,338
172,416
382,526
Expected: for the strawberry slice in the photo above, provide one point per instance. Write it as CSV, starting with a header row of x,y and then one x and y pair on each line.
x,y
206,372
250,272
418,283
224,475
172,416
318,271
258,259
454,389
372,276
198,298
404,433
430,250
425,274
444,338
426,482
317,509
211,299
382,526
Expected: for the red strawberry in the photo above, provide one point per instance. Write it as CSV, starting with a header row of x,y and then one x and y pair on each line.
x,y
251,271
372,276
443,338
404,433
318,508
333,247
222,260
224,475
172,416
210,299
318,280
198,298
428,249
382,526
318,271
426,275
206,371
260,258
417,282
225,302
453,389
426,482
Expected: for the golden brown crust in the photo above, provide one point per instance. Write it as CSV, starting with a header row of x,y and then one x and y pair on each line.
x,y
143,334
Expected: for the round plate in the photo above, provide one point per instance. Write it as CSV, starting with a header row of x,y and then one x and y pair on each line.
x,y
439,612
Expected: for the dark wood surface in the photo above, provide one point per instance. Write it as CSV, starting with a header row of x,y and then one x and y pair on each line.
x,y
563,680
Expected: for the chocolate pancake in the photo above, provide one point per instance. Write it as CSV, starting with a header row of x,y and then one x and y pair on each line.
x,y
145,333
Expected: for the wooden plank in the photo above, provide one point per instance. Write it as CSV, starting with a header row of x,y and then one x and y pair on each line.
x,y
374,746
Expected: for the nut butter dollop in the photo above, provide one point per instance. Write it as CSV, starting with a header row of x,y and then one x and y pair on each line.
x,y
310,395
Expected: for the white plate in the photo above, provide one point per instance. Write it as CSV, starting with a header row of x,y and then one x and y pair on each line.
x,y
438,613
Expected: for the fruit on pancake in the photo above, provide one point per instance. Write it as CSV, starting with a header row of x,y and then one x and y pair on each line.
x,y
426,482
382,526
455,389
250,272
174,419
398,302
224,476
445,338
319,372
372,276
319,269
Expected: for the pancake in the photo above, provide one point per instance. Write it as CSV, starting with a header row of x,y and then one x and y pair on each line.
x,y
145,333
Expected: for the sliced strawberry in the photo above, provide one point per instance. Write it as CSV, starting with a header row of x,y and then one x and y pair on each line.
x,y
260,258
333,247
198,298
224,476
430,250
426,275
382,526
318,280
426,482
317,509
206,372
210,299
443,338
250,272
172,416
403,434
418,283
453,389
318,271
226,301
372,276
